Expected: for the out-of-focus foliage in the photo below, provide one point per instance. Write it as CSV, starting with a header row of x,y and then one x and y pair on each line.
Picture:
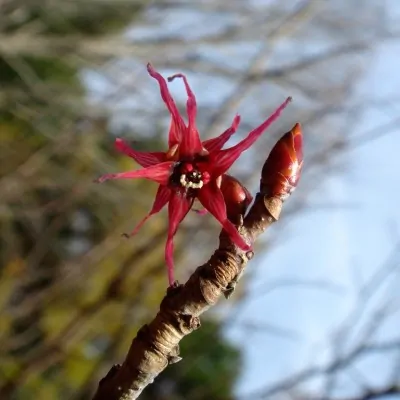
x,y
72,291
68,17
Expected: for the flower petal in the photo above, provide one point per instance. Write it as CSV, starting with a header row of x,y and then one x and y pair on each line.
x,y
159,173
178,207
178,126
162,197
144,158
217,143
175,134
212,199
223,160
191,143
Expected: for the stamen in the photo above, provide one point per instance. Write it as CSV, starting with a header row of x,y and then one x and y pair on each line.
x,y
183,180
186,181
198,185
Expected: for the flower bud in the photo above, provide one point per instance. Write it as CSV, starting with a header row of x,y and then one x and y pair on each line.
x,y
282,170
237,197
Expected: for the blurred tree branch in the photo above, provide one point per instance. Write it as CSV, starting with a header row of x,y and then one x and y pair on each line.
x,y
371,394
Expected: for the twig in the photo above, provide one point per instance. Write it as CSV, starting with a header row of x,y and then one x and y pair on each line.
x,y
157,344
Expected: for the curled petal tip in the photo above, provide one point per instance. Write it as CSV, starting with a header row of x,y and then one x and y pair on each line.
x,y
236,121
287,102
150,70
103,178
171,78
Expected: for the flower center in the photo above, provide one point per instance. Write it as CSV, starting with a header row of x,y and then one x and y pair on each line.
x,y
188,176
192,180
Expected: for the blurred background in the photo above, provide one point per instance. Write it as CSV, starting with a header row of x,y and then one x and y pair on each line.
x,y
317,314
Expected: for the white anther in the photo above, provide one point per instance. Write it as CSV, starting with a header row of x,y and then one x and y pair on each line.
x,y
189,184
197,185
183,180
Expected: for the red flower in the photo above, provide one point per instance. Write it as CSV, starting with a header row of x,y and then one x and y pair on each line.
x,y
190,168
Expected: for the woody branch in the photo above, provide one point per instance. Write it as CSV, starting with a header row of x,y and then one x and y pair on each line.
x,y
157,344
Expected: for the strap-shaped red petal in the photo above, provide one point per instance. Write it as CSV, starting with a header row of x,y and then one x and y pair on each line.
x,y
179,127
162,197
175,134
217,143
159,173
178,208
191,143
144,158
224,159
212,199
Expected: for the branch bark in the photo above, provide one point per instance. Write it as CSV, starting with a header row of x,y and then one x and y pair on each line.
x,y
157,344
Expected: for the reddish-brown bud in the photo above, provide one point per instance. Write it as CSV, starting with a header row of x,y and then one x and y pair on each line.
x,y
282,170
237,197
